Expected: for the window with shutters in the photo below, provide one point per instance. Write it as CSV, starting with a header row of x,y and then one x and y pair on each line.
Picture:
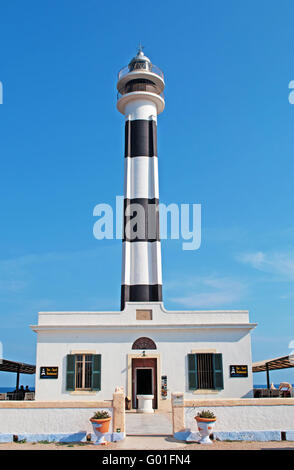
x,y
205,371
83,372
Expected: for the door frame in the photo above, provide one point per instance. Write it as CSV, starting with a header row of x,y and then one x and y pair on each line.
x,y
144,363
130,357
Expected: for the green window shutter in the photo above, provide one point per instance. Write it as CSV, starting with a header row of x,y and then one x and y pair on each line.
x,y
70,371
192,372
218,379
96,372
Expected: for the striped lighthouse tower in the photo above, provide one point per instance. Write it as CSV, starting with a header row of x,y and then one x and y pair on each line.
x,y
140,99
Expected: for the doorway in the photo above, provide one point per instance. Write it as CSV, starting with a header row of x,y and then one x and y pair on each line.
x,y
144,380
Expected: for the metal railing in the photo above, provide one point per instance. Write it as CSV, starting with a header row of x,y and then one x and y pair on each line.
x,y
153,69
18,395
120,95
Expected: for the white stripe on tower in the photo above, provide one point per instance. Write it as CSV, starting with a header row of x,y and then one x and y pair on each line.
x,y
140,88
141,178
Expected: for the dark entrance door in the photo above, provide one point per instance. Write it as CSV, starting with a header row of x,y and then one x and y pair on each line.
x,y
144,379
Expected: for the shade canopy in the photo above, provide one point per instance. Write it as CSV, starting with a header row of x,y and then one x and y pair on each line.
x,y
18,367
276,363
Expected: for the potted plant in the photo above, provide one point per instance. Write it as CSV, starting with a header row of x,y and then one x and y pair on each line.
x,y
100,422
205,422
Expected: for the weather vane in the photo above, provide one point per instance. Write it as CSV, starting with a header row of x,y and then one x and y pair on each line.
x,y
140,47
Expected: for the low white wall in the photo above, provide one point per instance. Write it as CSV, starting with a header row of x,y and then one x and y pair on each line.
x,y
47,421
264,419
261,417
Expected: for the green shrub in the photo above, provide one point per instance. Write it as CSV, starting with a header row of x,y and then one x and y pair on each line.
x,y
206,414
101,415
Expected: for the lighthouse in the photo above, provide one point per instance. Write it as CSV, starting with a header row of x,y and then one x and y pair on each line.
x,y
144,349
140,99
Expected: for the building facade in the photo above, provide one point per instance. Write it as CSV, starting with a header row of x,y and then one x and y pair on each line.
x,y
144,349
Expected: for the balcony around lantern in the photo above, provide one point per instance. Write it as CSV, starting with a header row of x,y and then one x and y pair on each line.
x,y
139,85
127,97
140,79
120,95
149,68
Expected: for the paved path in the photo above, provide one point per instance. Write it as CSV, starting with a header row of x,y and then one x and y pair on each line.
x,y
159,442
152,443
139,424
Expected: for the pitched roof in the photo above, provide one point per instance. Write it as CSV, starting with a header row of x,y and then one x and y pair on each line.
x,y
11,366
283,362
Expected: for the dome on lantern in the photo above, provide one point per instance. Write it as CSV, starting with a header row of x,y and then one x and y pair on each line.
x,y
140,61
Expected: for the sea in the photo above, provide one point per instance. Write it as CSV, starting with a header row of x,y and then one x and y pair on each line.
x,y
11,389
265,386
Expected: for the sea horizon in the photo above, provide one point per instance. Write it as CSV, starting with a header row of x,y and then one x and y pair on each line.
x,y
32,389
11,389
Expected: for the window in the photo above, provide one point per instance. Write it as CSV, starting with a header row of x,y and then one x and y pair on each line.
x,y
83,372
144,343
205,371
143,314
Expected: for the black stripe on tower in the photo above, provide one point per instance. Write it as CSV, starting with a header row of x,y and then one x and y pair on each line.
x,y
140,138
140,293
141,220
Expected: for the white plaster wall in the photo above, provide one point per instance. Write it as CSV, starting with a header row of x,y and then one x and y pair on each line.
x,y
173,345
235,348
160,316
47,420
246,418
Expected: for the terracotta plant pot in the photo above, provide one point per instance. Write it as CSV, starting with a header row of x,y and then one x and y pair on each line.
x,y
205,428
100,427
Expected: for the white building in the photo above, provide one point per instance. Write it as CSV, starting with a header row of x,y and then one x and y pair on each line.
x,y
143,348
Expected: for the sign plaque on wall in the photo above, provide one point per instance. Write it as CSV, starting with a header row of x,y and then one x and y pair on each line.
x,y
178,399
239,371
164,387
48,372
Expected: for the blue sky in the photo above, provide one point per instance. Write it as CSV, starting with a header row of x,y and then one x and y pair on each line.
x,y
225,141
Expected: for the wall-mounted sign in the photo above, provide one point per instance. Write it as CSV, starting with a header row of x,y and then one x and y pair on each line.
x,y
238,371
178,399
164,387
48,372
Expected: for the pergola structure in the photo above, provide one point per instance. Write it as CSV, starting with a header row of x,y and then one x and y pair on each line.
x,y
18,368
276,363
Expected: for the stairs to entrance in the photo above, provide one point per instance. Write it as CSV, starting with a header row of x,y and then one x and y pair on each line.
x,y
140,424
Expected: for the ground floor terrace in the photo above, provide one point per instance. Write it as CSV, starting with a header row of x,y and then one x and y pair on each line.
x,y
68,423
